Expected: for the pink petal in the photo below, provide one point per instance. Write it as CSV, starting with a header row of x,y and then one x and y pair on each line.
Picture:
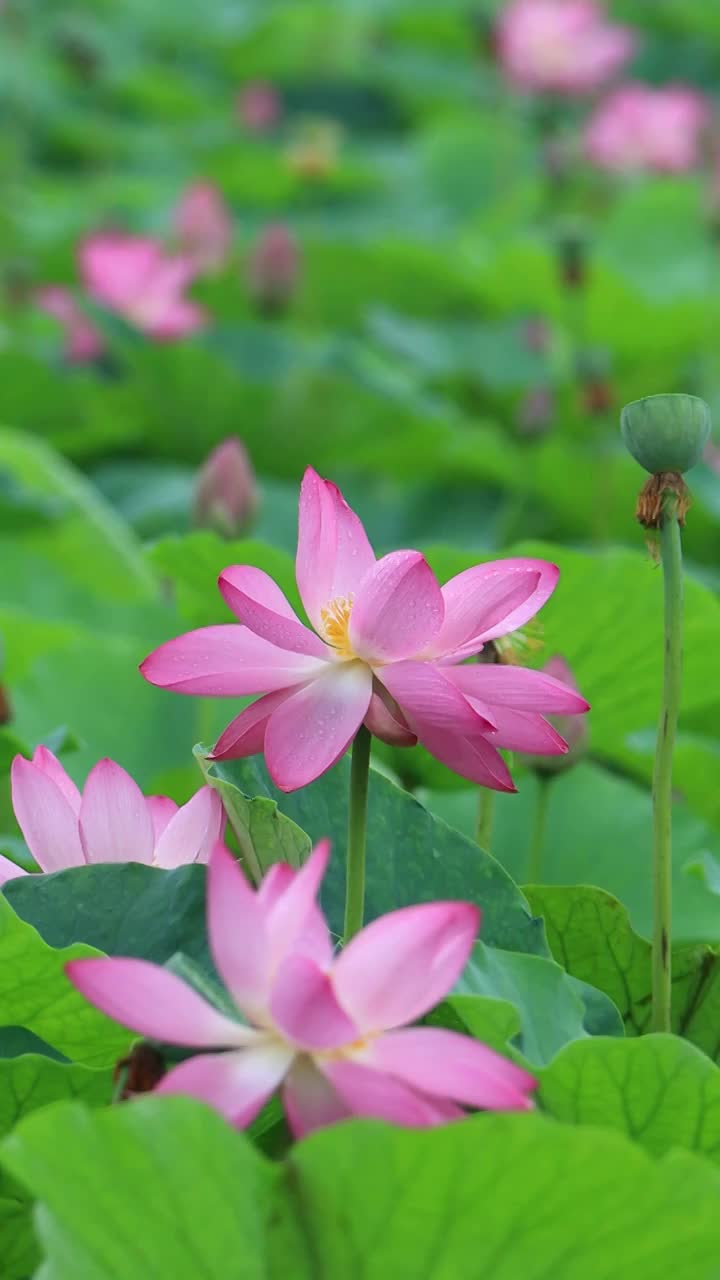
x,y
238,939
313,728
161,809
154,1002
237,1084
45,818
176,320
398,608
473,758
226,661
333,551
193,832
292,919
491,600
402,964
115,823
245,735
517,687
9,870
449,1065
260,604
115,267
526,731
309,1099
305,1009
50,765
368,1092
387,721
427,697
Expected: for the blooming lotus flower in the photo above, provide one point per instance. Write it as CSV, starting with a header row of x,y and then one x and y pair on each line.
x,y
274,267
83,342
259,106
135,277
112,821
640,128
203,226
560,46
329,1029
387,651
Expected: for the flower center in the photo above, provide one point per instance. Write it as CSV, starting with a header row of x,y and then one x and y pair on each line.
x,y
335,619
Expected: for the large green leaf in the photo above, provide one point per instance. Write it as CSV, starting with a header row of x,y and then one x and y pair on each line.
x,y
502,1195
193,562
659,1090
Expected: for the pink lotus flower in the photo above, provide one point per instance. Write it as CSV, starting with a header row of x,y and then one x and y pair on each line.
x,y
640,128
83,342
274,267
259,106
203,227
135,277
573,728
112,821
560,46
386,651
226,496
329,1029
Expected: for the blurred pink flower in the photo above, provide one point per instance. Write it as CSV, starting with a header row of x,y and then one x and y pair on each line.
x,y
204,226
560,46
330,1030
273,267
386,652
259,106
535,411
225,490
640,128
134,276
83,342
112,821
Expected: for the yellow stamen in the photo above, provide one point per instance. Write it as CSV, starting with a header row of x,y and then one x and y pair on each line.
x,y
335,622
518,646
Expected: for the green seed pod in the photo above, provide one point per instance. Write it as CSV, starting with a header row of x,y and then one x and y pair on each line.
x,y
666,433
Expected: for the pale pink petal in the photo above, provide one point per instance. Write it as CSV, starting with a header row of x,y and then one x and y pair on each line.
x,y
161,809
517,687
236,1084
154,1002
372,1093
52,768
313,728
245,735
179,319
260,604
238,939
526,731
193,832
309,1099
9,870
402,964
450,1065
226,661
305,1009
491,600
386,721
45,817
428,698
314,939
291,913
398,608
115,823
333,551
115,267
473,758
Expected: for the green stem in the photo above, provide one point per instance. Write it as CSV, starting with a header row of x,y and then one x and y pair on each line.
x,y
537,842
357,832
671,550
486,814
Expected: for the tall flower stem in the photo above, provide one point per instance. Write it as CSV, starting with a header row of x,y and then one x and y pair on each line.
x,y
357,834
671,551
485,817
537,839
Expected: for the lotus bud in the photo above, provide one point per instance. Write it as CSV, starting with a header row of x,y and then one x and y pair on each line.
x,y
259,106
274,268
226,497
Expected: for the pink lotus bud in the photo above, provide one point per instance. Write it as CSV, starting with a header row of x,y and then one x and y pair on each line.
x,y
638,128
273,268
83,342
535,411
226,496
203,226
259,106
572,728
537,334
560,46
